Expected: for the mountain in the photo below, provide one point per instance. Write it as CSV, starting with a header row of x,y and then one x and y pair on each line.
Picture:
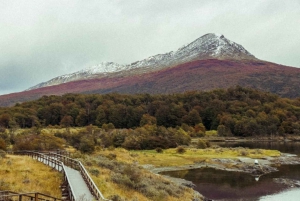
x,y
210,62
211,45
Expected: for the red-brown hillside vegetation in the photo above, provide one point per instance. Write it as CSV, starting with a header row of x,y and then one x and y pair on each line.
x,y
197,75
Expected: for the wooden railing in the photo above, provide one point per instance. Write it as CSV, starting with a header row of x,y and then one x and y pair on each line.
x,y
52,162
77,165
44,158
10,196
58,161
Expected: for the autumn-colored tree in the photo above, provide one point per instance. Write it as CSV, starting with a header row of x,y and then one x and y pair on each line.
x,y
243,111
222,130
147,119
87,145
108,126
2,144
67,121
38,142
101,116
4,120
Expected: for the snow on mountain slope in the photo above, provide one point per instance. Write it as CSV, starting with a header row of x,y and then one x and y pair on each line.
x,y
102,68
208,46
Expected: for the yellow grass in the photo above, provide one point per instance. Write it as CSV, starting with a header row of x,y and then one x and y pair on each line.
x,y
23,174
109,188
212,133
171,158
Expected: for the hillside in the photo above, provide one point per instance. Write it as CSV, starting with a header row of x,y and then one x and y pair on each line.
x,y
209,46
210,62
196,75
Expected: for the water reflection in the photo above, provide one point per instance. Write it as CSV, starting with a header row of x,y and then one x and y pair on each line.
x,y
224,185
219,184
285,147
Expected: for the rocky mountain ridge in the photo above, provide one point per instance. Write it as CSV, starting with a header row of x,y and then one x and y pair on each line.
x,y
209,46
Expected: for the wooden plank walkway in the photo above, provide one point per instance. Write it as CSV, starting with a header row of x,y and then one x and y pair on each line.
x,y
79,186
76,181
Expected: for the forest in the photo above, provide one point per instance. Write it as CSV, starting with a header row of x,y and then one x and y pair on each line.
x,y
235,111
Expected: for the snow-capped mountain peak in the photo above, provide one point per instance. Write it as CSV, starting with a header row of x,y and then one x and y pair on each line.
x,y
209,46
216,46
104,67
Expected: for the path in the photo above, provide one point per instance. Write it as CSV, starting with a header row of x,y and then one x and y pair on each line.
x,y
76,181
80,188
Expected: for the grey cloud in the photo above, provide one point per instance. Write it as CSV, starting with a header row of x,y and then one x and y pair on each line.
x,y
43,39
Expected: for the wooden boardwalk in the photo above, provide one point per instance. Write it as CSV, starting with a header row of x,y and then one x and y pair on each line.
x,y
78,185
75,180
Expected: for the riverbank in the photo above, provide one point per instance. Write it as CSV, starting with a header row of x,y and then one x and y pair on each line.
x,y
287,138
263,166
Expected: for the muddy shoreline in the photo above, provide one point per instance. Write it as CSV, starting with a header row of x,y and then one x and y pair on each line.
x,y
288,138
239,164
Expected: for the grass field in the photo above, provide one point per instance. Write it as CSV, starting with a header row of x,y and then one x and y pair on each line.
x,y
170,157
118,174
23,174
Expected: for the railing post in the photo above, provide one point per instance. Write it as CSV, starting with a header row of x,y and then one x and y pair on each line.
x,y
36,197
20,197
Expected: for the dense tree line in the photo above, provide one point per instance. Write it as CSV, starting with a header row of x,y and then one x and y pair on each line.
x,y
235,111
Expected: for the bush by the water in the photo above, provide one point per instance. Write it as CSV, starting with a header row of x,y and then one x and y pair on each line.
x,y
131,176
180,150
159,150
202,144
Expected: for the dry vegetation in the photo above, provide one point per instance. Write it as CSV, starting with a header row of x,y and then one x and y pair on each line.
x,y
23,174
118,174
119,177
171,157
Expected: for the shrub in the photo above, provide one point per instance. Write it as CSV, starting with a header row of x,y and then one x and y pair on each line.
x,y
3,185
2,153
211,133
201,144
2,129
111,148
112,156
200,134
115,198
244,153
180,150
122,179
159,150
152,186
133,173
258,151
86,145
95,172
207,143
2,144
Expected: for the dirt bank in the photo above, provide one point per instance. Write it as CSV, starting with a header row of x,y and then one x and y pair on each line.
x,y
254,139
240,164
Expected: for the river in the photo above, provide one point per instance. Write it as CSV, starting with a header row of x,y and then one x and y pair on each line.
x,y
223,185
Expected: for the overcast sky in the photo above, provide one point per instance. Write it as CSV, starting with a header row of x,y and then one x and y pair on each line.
x,y
40,40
